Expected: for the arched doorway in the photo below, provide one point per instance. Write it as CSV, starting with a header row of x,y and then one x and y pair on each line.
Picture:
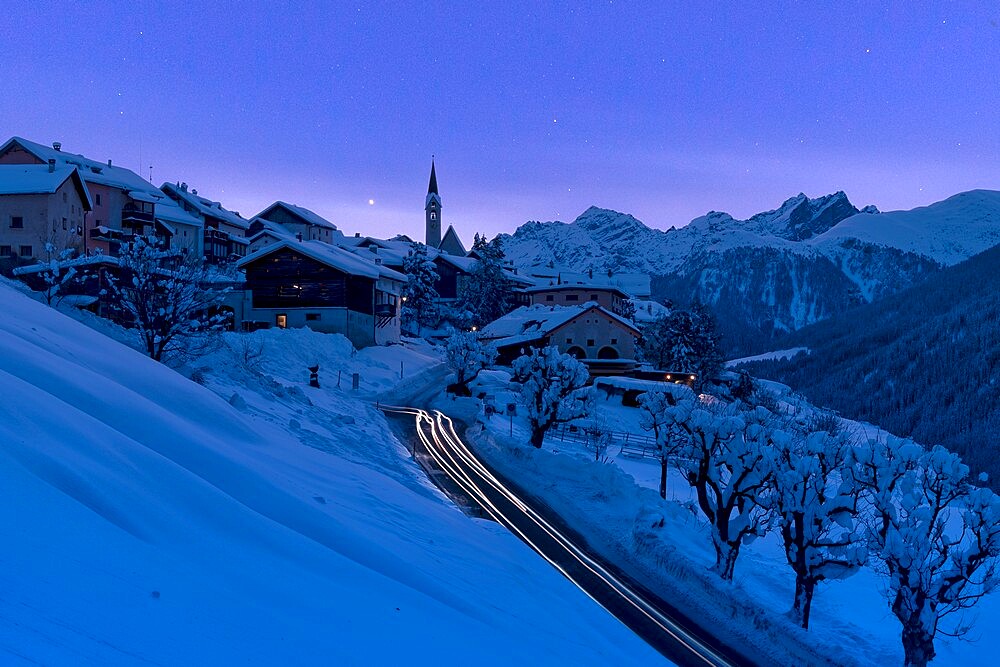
x,y
607,352
577,352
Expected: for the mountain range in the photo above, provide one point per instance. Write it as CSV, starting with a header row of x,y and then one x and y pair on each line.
x,y
776,271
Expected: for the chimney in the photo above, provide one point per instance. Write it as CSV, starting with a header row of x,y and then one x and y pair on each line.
x,y
184,187
357,235
109,162
194,192
56,145
298,236
52,165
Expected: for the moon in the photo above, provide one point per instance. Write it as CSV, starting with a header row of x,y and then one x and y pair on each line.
x,y
371,202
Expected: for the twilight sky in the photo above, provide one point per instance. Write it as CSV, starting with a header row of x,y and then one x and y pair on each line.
x,y
534,110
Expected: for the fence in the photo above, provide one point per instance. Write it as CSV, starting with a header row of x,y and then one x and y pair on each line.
x,y
631,444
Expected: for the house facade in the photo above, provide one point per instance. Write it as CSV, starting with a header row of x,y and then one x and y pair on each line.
x,y
224,231
604,341
40,205
123,204
610,298
298,221
311,284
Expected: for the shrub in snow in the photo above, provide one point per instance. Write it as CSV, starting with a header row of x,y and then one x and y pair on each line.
x,y
813,496
726,458
600,437
419,294
466,356
166,306
56,277
935,536
553,389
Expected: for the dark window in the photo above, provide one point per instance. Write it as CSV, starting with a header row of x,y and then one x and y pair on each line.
x,y
569,340
312,317
17,222
549,297
65,198
614,341
5,251
25,251
98,196
590,342
65,224
289,291
572,297
593,297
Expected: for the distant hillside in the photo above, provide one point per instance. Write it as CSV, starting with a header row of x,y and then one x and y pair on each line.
x,y
923,363
776,271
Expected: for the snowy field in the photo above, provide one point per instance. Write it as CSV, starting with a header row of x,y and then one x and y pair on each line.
x,y
616,505
252,520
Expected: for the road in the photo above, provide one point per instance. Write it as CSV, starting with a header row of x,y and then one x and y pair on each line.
x,y
653,621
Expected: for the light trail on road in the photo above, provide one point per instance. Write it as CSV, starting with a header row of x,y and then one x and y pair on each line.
x,y
454,457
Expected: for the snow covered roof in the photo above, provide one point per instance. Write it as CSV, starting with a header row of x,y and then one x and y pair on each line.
x,y
331,255
30,179
529,323
577,286
307,216
632,284
205,207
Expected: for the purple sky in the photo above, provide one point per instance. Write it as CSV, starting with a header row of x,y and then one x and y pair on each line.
x,y
533,112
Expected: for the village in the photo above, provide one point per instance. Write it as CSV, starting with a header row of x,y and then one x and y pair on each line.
x,y
64,214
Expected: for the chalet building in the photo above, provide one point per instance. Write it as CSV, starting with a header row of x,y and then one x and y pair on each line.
x,y
604,341
297,221
636,285
293,283
123,204
40,204
610,298
224,231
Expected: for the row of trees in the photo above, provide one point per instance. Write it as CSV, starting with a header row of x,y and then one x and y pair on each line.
x,y
838,503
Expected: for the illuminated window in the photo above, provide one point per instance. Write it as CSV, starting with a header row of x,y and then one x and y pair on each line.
x,y
281,321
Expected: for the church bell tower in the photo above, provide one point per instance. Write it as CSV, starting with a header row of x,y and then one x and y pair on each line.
x,y
432,211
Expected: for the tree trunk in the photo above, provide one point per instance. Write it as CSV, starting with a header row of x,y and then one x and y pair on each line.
x,y
663,478
918,645
804,589
537,436
725,559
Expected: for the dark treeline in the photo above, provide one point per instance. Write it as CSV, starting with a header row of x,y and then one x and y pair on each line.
x,y
923,363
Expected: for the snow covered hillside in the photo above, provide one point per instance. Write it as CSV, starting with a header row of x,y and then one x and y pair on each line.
x,y
779,270
148,520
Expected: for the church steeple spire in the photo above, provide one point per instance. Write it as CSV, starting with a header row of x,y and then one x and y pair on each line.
x,y
432,187
432,211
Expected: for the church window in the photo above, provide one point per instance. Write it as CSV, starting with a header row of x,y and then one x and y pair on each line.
x,y
434,216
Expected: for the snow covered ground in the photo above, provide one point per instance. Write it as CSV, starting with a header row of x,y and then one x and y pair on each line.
x,y
253,520
617,507
767,356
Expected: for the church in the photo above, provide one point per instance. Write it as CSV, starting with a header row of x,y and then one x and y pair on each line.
x,y
450,244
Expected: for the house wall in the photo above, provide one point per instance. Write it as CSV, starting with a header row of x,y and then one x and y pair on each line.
x,y
16,155
595,326
359,328
46,218
572,296
296,225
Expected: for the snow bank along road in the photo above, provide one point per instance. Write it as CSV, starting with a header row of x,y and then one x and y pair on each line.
x,y
665,634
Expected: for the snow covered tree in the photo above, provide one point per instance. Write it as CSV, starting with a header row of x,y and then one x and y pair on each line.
x,y
653,417
628,310
937,537
814,499
466,356
488,293
419,295
56,277
554,389
726,458
744,388
165,302
684,341
600,438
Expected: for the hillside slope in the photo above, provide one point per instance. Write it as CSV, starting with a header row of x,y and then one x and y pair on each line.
x,y
923,363
146,520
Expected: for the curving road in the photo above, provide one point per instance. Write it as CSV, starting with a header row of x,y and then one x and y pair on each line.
x,y
653,622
